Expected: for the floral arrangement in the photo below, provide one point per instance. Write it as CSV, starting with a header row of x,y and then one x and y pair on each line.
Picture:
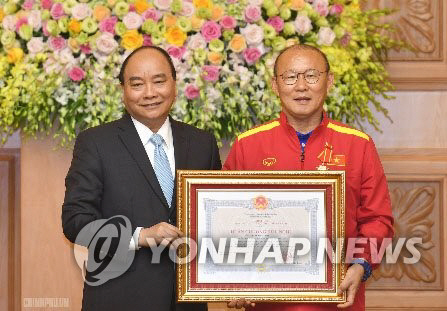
x,y
59,59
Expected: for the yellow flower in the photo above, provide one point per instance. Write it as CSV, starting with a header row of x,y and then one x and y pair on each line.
x,y
278,3
203,4
295,5
215,58
2,14
141,6
169,20
15,55
131,40
74,26
73,44
175,36
292,41
21,14
111,3
237,43
100,12
217,12
196,22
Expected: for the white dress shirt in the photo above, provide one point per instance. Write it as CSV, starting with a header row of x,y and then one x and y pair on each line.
x,y
145,134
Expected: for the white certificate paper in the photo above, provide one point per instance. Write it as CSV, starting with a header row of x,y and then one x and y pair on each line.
x,y
261,216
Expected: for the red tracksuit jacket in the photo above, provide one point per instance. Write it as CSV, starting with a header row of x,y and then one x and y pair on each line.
x,y
275,146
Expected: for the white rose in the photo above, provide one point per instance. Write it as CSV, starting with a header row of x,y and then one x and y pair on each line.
x,y
212,94
132,20
270,62
66,57
302,24
163,5
9,22
35,19
187,9
253,34
81,11
35,45
51,65
256,2
325,36
106,44
196,42
240,70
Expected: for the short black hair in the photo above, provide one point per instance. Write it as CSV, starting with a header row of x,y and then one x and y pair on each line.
x,y
302,47
153,47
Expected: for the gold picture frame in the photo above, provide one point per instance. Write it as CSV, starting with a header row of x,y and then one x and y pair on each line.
x,y
252,208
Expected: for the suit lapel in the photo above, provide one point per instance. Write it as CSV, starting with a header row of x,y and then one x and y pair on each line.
x,y
181,145
131,140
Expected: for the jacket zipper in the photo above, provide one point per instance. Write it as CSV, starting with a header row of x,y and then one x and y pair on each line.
x,y
302,158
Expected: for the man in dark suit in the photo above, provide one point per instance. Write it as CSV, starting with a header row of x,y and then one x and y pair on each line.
x,y
127,167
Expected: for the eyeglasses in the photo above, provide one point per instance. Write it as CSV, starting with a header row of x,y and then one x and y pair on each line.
x,y
311,76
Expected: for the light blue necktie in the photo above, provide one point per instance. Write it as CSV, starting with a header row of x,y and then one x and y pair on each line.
x,y
162,168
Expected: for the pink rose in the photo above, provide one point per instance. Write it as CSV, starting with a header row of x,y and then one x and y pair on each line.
x,y
251,55
147,41
192,91
228,22
28,5
210,30
56,43
108,24
252,13
277,23
153,14
344,41
187,9
46,4
132,7
76,74
21,22
57,11
132,20
336,9
35,19
176,52
44,29
210,73
232,1
81,11
321,6
85,48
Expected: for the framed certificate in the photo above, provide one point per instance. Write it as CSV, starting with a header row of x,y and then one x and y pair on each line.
x,y
263,235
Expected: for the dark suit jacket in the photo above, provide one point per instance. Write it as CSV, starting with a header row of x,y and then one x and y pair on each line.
x,y
111,174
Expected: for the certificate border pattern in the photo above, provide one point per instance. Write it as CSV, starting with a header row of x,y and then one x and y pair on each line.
x,y
186,178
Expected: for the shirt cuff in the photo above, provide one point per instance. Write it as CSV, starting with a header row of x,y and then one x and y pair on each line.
x,y
366,267
133,245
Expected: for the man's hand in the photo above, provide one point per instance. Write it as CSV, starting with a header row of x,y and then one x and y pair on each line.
x,y
351,284
240,303
161,233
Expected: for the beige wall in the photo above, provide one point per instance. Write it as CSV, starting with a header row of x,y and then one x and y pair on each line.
x,y
48,266
419,121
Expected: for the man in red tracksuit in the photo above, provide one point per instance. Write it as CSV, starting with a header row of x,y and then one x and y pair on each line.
x,y
304,138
